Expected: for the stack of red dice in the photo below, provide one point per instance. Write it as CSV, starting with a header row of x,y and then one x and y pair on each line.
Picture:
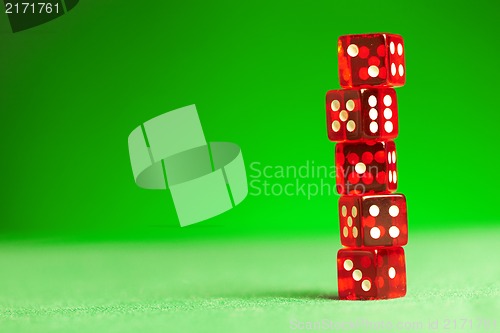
x,y
363,119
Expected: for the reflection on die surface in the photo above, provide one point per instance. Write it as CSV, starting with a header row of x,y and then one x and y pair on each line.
x,y
371,60
371,273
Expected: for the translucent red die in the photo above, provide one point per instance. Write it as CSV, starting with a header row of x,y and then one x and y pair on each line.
x,y
373,220
362,114
365,167
371,60
365,274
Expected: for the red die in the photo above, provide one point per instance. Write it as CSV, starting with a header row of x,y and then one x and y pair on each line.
x,y
371,274
373,220
365,167
361,114
371,60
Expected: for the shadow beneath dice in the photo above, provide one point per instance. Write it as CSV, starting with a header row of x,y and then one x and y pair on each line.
x,y
292,294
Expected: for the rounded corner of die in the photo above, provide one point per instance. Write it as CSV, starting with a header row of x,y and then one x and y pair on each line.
x,y
340,252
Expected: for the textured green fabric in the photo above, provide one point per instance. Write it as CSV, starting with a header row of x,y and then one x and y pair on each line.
x,y
237,285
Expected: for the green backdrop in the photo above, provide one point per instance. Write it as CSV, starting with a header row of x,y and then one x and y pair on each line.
x,y
74,88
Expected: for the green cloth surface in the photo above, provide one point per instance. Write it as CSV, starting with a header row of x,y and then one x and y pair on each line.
x,y
239,285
